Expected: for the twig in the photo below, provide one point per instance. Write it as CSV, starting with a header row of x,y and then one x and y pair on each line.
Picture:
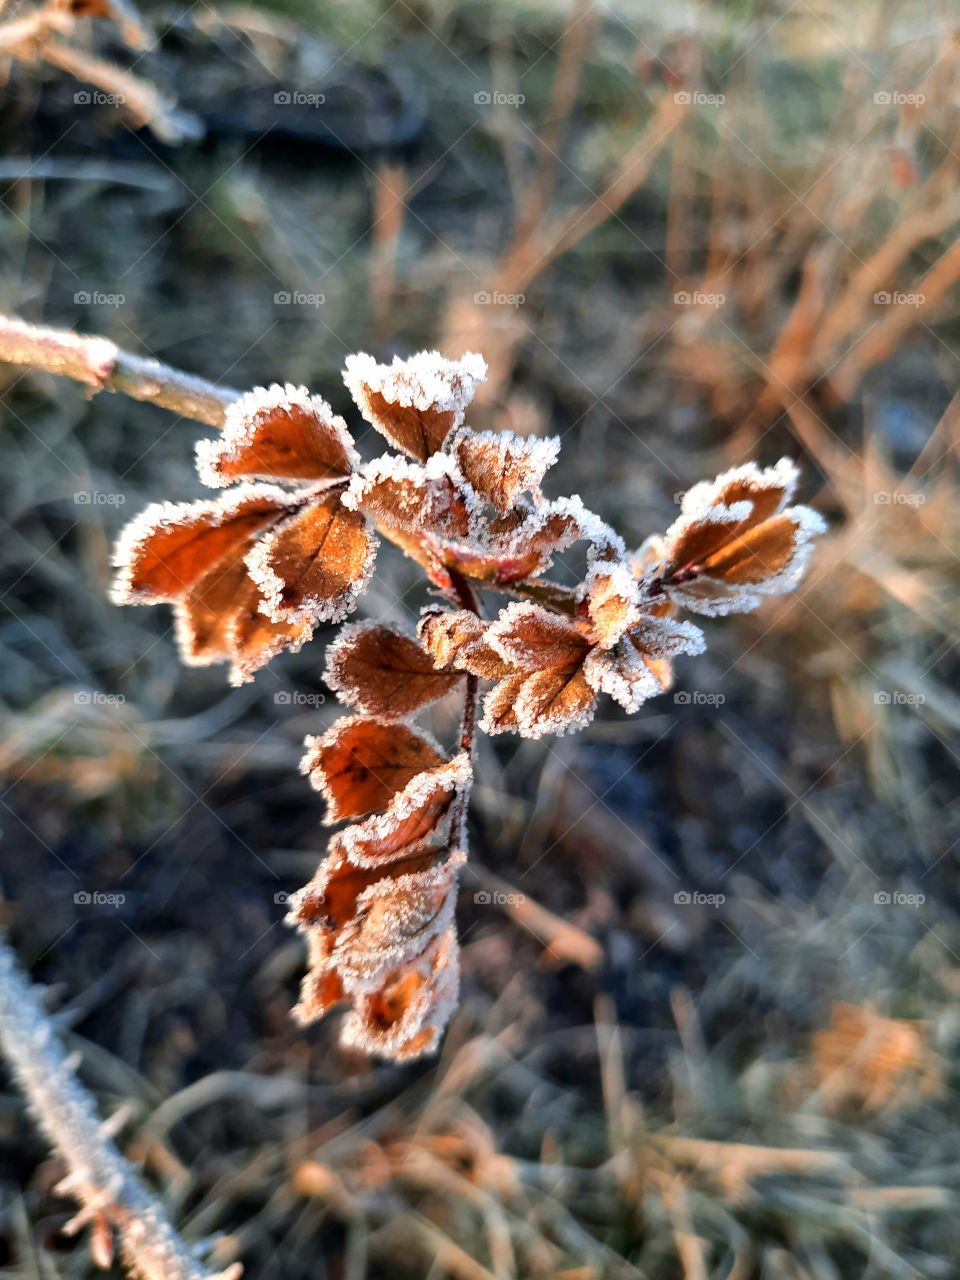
x,y
467,599
111,1195
101,364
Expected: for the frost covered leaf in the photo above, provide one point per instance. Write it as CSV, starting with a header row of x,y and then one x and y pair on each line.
x,y
219,619
457,638
378,916
255,639
501,466
612,599
546,691
279,433
516,546
417,813
638,667
192,555
412,499
360,764
407,1016
415,403
736,541
384,672
169,546
314,565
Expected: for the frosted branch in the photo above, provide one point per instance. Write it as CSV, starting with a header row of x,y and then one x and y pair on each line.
x,y
113,1200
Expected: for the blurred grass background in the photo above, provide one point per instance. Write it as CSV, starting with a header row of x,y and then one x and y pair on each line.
x,y
720,232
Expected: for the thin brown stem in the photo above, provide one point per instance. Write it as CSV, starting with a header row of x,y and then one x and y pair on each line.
x,y
102,365
465,596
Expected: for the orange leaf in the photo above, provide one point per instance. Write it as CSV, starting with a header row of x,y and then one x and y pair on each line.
x,y
501,466
456,638
170,546
735,542
360,764
412,499
384,672
415,403
414,815
405,1018
546,691
278,433
313,567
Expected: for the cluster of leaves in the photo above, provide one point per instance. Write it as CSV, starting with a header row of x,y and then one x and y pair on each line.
x,y
290,543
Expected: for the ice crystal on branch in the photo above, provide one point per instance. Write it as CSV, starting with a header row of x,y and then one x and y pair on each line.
x,y
254,571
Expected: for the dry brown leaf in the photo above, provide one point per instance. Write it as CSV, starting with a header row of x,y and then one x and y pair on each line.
x,y
546,691
170,546
360,764
412,499
500,466
314,566
278,433
384,672
416,814
734,542
456,638
415,403
407,1016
